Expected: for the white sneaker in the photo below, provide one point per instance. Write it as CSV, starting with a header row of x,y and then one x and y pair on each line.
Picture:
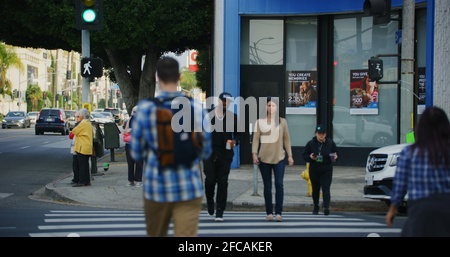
x,y
269,217
279,218
138,184
130,183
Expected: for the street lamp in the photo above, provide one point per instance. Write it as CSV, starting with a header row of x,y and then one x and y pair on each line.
x,y
255,47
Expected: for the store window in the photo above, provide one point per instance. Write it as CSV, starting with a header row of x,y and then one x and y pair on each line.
x,y
365,112
262,43
301,78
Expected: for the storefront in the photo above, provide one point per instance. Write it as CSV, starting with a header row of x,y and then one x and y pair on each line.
x,y
284,48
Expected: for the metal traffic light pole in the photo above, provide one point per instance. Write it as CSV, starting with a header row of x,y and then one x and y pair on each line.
x,y
85,53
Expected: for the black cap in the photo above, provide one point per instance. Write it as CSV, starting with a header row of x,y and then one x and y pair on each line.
x,y
225,95
321,128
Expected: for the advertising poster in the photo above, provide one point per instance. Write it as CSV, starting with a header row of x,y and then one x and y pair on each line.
x,y
422,90
302,92
363,93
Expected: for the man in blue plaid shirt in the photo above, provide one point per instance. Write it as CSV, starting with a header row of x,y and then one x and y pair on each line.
x,y
170,193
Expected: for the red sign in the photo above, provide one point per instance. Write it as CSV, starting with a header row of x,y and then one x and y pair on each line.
x,y
193,67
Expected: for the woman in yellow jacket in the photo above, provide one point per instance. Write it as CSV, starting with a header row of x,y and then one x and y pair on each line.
x,y
84,133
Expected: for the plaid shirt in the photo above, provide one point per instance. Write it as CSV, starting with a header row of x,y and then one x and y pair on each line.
x,y
418,177
170,184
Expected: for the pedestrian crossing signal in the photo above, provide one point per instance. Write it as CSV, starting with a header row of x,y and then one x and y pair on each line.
x,y
375,69
91,67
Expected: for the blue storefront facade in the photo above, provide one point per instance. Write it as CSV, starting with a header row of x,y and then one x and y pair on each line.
x,y
275,48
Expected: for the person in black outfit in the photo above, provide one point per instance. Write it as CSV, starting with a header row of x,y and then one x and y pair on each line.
x,y
321,152
134,167
217,166
74,154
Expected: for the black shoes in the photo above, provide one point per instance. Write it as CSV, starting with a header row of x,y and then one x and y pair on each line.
x,y
210,208
326,211
81,185
219,216
316,210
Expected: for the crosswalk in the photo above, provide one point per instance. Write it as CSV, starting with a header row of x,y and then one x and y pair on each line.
x,y
60,223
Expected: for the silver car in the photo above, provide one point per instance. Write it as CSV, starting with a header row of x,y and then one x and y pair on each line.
x,y
33,117
17,119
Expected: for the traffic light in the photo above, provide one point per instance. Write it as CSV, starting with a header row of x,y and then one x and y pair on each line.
x,y
375,69
89,14
379,9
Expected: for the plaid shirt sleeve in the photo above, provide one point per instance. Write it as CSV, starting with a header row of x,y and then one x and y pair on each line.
x,y
400,183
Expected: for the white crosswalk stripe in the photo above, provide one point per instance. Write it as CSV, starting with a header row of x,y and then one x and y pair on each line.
x,y
132,223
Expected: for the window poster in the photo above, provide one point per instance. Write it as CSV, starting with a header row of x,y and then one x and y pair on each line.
x,y
363,93
422,90
302,92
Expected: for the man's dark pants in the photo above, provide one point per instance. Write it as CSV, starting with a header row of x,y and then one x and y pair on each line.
x,y
217,169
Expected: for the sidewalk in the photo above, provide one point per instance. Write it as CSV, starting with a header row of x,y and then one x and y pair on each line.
x,y
244,193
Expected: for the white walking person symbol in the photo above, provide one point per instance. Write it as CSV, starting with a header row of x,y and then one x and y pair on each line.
x,y
87,67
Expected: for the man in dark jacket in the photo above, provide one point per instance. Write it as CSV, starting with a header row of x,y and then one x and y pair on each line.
x,y
225,136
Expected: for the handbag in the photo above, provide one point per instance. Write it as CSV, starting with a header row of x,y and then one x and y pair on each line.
x,y
126,137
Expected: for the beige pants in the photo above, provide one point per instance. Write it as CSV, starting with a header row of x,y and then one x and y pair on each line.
x,y
185,217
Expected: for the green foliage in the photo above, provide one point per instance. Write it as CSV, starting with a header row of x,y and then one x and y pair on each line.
x,y
34,98
8,58
202,75
187,80
101,103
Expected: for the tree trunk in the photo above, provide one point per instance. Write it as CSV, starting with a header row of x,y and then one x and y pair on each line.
x,y
141,83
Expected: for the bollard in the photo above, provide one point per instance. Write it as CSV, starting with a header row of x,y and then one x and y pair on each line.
x,y
112,155
94,165
255,180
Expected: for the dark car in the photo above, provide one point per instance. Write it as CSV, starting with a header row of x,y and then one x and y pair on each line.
x,y
17,119
70,116
116,113
52,120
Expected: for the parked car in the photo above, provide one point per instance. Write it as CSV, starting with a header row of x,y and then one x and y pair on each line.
x,y
109,115
380,171
52,120
354,130
102,118
70,115
116,113
17,119
33,116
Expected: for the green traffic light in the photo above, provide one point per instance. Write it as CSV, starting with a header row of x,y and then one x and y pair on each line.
x,y
89,15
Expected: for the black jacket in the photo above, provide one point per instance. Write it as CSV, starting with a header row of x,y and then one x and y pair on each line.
x,y
220,137
326,148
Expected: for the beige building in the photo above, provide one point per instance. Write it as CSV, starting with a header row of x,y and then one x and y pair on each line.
x,y
55,71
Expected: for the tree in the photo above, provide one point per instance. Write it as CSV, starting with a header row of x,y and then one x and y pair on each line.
x,y
187,80
8,58
34,98
133,30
